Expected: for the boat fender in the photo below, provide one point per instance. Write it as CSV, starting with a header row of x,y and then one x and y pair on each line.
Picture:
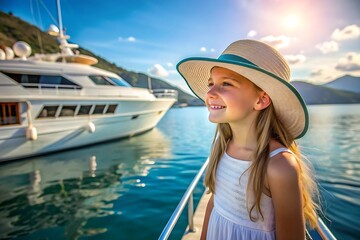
x,y
90,127
93,163
31,133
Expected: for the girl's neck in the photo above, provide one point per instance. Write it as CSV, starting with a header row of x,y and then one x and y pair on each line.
x,y
243,136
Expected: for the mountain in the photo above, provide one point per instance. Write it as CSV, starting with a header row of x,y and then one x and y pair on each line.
x,y
13,29
347,83
321,94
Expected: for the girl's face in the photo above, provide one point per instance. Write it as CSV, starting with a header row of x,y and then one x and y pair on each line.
x,y
231,97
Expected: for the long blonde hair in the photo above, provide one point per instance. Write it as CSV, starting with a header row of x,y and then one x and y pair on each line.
x,y
268,127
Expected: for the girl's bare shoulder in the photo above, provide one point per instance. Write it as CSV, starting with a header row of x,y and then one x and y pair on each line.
x,y
282,166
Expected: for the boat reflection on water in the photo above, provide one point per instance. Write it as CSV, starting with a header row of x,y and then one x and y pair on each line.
x,y
69,188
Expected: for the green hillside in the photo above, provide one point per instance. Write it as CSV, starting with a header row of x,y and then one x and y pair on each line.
x,y
13,29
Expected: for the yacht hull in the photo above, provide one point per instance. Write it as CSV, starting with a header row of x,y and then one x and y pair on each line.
x,y
61,134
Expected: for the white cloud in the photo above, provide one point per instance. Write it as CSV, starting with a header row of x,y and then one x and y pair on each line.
x,y
158,70
252,33
131,39
295,59
323,74
349,63
348,32
169,64
328,47
277,42
317,71
204,49
173,71
128,39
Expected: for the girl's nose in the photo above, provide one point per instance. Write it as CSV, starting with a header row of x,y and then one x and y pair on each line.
x,y
213,92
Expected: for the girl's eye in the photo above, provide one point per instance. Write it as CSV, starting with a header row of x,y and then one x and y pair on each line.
x,y
226,84
210,84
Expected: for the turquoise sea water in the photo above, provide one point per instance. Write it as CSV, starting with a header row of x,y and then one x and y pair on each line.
x,y
128,189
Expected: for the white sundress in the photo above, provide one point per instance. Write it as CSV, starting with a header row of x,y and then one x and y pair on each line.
x,y
229,219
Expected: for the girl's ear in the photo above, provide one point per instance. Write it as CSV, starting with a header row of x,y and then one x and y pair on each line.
x,y
263,101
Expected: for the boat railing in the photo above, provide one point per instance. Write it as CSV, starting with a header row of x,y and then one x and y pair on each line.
x,y
165,93
44,86
187,200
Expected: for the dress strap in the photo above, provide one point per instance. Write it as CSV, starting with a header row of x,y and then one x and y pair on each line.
x,y
279,150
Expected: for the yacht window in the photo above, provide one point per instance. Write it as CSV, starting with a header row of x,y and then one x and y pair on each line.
x,y
111,108
100,80
99,109
52,80
48,81
28,78
30,81
48,112
9,114
84,110
45,81
120,82
68,111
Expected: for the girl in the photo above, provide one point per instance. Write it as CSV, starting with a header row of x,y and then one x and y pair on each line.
x,y
261,188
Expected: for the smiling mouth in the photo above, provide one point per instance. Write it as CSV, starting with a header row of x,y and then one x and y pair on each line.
x,y
217,107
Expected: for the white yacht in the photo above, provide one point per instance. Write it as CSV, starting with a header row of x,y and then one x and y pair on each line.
x,y
58,101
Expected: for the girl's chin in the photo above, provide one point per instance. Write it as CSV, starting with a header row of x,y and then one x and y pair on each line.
x,y
216,120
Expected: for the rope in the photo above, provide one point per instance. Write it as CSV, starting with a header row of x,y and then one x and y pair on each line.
x,y
41,25
51,16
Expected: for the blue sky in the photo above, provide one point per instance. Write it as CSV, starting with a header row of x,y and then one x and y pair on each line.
x,y
320,39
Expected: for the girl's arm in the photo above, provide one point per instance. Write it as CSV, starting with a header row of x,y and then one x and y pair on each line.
x,y
284,182
209,208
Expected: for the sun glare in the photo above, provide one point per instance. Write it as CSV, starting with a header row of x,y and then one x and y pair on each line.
x,y
292,21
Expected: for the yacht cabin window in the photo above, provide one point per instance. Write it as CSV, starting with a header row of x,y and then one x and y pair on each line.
x,y
119,82
84,110
48,112
9,113
43,81
111,108
100,80
104,80
99,109
68,111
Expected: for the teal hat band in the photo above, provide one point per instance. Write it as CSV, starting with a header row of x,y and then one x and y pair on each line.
x,y
235,58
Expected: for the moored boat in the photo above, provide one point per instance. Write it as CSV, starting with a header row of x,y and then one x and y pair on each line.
x,y
53,102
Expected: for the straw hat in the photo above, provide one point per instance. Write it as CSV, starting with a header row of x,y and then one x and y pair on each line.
x,y
262,65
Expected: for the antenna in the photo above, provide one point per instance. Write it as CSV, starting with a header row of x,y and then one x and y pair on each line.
x,y
64,45
60,19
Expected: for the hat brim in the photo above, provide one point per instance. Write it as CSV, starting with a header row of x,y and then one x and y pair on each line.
x,y
287,101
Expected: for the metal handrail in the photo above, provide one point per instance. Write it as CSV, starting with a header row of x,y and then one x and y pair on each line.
x,y
187,198
324,231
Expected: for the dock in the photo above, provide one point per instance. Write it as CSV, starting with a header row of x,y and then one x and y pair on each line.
x,y
198,218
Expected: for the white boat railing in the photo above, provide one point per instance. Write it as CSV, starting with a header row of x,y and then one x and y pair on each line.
x,y
187,199
165,93
42,87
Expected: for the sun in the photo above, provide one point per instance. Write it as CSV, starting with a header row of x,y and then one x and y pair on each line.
x,y
292,21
